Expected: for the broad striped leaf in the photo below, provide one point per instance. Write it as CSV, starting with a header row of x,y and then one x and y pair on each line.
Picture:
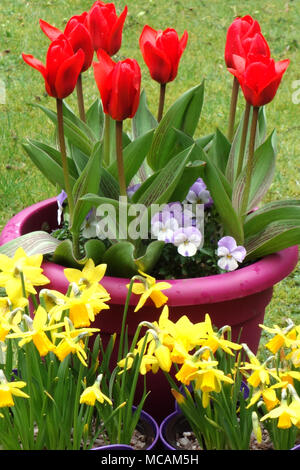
x,y
262,175
274,211
276,236
33,243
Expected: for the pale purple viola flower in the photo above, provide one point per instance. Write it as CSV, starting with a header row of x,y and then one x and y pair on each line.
x,y
187,240
132,189
199,194
163,226
60,201
89,226
230,254
182,214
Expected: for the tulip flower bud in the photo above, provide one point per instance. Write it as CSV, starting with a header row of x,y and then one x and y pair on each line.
x,y
119,85
106,27
244,37
62,67
77,34
162,51
259,78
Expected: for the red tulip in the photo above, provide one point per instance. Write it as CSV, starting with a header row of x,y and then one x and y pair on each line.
x,y
244,37
119,85
106,27
162,51
259,77
77,34
62,67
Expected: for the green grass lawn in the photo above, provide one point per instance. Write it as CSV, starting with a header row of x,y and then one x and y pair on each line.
x,y
206,22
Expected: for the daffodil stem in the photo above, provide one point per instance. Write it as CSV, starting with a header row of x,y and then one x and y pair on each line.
x,y
120,351
80,99
243,139
76,407
62,145
161,103
250,162
120,162
234,98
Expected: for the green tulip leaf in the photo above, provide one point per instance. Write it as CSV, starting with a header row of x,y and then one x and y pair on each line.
x,y
88,182
163,183
64,255
48,164
37,242
219,151
133,155
83,139
121,261
184,115
95,118
232,164
143,120
219,187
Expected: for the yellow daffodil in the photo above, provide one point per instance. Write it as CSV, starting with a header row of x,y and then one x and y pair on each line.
x,y
92,394
36,333
14,298
149,288
285,414
184,332
282,337
268,395
71,341
82,306
8,389
29,266
8,322
215,340
89,275
260,373
163,356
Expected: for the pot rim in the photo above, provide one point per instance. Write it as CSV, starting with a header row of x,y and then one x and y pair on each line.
x,y
257,277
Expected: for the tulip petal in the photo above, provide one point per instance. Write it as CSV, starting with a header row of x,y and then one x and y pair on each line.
x,y
80,38
68,74
148,35
158,63
51,32
35,63
102,70
115,38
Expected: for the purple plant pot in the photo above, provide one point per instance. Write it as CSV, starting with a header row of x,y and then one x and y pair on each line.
x,y
148,426
170,426
296,447
237,298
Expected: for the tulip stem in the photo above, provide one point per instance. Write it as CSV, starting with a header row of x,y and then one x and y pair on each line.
x,y
234,97
61,137
161,104
80,99
250,162
243,139
106,139
120,162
